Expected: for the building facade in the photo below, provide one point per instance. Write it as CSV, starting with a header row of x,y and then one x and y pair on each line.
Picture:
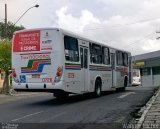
x,y
149,65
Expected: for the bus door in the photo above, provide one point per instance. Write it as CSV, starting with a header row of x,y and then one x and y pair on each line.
x,y
113,67
84,67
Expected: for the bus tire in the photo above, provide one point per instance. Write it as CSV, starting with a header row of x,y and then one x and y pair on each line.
x,y
98,88
125,84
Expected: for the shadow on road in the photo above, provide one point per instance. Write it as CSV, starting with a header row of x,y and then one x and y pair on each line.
x,y
71,99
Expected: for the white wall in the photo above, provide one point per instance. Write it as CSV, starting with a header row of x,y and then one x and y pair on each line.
x,y
156,80
146,80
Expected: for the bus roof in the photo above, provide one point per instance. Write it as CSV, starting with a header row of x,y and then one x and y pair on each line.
x,y
74,34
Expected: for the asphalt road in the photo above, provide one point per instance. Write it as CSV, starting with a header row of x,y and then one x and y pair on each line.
x,y
111,107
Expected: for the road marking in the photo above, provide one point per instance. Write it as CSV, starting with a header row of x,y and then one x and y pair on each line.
x,y
53,117
26,116
124,95
120,119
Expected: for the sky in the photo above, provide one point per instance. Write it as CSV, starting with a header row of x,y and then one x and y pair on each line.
x,y
132,25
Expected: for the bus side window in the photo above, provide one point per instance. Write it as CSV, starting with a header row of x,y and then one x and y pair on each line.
x,y
125,59
96,54
105,55
85,58
71,49
119,57
90,49
81,55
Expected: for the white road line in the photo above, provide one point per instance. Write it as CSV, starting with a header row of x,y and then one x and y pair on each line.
x,y
124,95
26,116
53,117
119,120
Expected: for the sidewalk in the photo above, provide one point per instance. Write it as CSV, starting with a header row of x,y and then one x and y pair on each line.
x,y
18,96
150,119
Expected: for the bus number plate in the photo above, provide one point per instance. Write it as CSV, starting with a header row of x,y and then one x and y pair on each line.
x,y
71,75
46,80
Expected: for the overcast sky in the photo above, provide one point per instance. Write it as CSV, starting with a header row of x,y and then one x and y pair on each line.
x,y
126,24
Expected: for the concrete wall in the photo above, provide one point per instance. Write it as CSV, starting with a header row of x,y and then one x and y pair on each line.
x,y
156,80
149,80
146,80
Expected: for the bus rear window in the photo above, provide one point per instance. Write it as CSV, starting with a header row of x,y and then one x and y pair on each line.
x,y
71,49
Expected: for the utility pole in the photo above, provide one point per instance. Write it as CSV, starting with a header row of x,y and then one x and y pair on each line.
x,y
5,21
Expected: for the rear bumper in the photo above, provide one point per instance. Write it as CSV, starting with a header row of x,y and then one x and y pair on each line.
x,y
39,90
136,83
39,87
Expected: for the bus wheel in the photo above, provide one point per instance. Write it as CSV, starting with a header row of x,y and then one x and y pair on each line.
x,y
125,84
61,95
98,89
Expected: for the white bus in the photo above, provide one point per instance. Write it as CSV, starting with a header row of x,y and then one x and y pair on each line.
x,y
61,62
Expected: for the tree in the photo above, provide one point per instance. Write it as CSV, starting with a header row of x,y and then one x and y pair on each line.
x,y
5,62
11,28
5,51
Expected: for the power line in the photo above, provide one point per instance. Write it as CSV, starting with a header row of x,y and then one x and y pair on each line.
x,y
141,39
133,43
120,25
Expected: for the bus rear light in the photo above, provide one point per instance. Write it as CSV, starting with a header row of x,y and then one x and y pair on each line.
x,y
59,71
14,73
58,74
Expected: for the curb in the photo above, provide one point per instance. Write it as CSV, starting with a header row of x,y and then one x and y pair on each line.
x,y
146,108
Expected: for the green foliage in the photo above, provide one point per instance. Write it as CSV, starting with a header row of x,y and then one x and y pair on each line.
x,y
5,63
5,51
11,28
5,55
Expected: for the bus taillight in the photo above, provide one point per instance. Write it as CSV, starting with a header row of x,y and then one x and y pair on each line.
x,y
58,74
14,73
